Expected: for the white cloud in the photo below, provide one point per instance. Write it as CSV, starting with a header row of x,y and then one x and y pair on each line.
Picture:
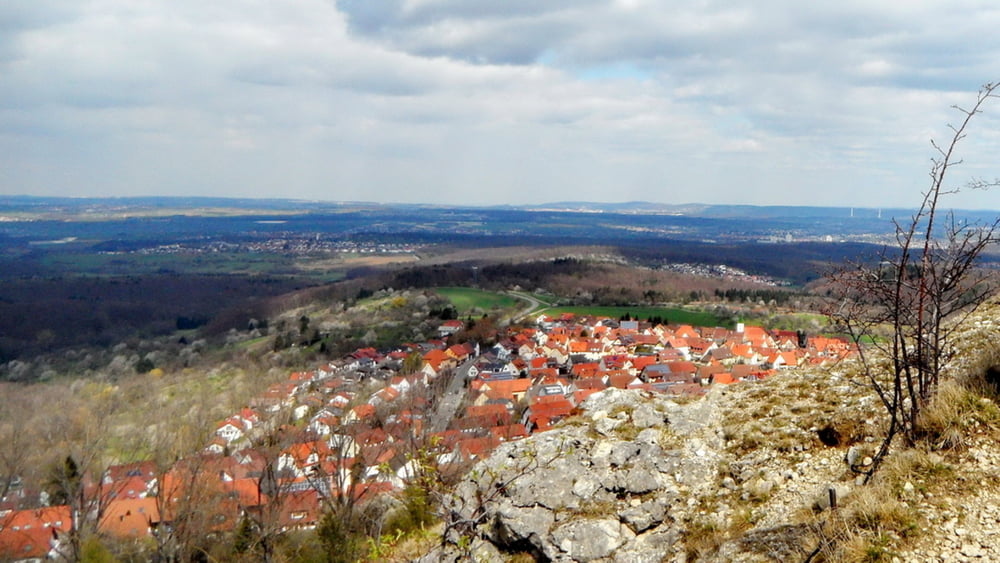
x,y
475,101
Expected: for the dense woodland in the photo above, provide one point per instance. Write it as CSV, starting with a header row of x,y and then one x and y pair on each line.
x,y
42,314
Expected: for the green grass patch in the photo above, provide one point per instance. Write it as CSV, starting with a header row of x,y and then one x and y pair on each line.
x,y
865,339
466,299
671,315
252,342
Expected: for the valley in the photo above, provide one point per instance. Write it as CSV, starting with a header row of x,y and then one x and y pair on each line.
x,y
321,392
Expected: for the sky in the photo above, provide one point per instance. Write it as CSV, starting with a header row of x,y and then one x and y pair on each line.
x,y
476,102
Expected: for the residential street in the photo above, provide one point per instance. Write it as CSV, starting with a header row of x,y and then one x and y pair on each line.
x,y
448,407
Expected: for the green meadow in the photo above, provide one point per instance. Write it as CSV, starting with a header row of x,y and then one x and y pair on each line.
x,y
670,315
466,299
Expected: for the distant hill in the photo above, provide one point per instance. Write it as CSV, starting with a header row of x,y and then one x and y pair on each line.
x,y
33,203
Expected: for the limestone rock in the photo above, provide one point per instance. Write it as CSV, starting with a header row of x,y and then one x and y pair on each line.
x,y
645,516
587,540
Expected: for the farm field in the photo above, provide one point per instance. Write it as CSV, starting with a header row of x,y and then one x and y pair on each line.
x,y
670,315
466,299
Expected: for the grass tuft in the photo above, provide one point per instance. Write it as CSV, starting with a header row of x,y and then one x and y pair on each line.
x,y
954,409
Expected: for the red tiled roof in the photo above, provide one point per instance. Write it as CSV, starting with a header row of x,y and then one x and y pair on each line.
x,y
487,410
509,432
34,543
683,367
55,517
722,377
129,518
582,395
621,380
299,509
640,362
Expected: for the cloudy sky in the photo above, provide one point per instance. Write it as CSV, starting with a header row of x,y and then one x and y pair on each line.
x,y
480,102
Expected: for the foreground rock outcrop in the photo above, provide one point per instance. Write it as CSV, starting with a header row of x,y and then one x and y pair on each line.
x,y
639,477
762,471
604,486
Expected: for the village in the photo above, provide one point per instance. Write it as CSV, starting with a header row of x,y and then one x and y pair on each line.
x,y
350,431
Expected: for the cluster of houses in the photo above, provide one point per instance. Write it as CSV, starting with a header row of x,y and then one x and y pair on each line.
x,y
365,425
539,376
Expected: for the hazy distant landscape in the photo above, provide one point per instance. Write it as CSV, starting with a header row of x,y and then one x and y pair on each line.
x,y
96,271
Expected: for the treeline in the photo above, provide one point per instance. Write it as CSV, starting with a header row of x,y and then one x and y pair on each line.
x,y
799,263
580,282
487,276
40,315
776,296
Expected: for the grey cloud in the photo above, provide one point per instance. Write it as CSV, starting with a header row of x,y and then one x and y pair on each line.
x,y
393,15
484,101
481,31
22,15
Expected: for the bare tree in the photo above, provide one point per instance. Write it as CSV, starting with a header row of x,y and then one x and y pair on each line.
x,y
902,305
78,440
15,440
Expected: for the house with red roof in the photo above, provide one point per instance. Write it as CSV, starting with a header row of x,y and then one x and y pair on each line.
x,y
301,377
299,510
541,415
473,449
303,459
32,545
680,345
323,425
341,399
639,363
509,432
542,374
686,331
514,390
540,362
360,413
384,395
438,360
706,372
276,396
783,360
685,390
585,369
130,517
35,534
450,327
747,372
458,352
483,417
623,380
722,378
698,347
231,429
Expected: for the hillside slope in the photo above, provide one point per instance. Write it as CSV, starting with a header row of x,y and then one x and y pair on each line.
x,y
746,474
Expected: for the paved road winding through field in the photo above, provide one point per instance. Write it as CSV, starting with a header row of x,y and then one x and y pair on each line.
x,y
534,305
